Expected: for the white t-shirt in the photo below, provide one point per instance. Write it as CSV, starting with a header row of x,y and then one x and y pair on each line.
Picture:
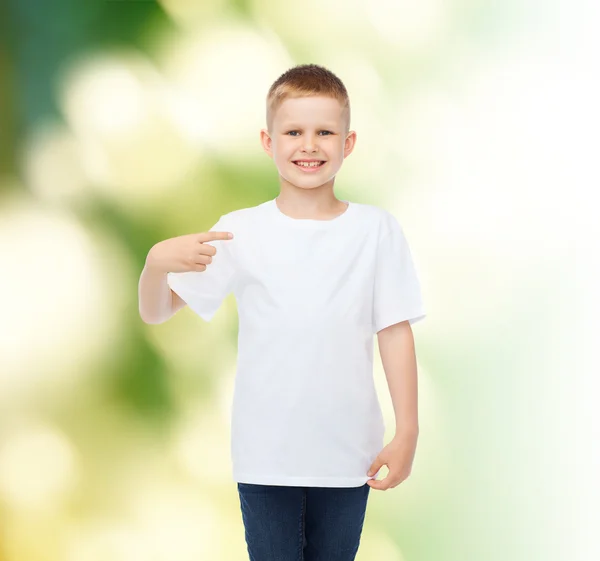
x,y
310,294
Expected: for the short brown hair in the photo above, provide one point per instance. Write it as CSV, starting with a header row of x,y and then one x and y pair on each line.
x,y
307,80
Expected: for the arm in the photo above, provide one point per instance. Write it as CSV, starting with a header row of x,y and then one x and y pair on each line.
x,y
157,302
397,350
182,254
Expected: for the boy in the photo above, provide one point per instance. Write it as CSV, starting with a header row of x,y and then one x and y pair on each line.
x,y
315,278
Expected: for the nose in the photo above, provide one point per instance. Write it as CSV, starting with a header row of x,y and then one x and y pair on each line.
x,y
309,143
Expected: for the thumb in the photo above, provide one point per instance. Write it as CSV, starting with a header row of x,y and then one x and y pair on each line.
x,y
375,466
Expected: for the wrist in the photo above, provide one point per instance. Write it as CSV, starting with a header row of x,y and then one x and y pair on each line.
x,y
407,429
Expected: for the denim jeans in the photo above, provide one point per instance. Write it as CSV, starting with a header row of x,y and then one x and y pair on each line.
x,y
302,523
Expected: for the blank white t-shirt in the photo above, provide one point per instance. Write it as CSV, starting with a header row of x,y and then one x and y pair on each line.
x,y
311,294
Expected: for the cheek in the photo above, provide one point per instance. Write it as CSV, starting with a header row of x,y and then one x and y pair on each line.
x,y
281,156
281,160
283,152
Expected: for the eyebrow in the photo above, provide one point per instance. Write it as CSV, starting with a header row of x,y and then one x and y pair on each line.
x,y
293,125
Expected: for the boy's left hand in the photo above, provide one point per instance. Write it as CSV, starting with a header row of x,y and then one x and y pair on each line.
x,y
398,456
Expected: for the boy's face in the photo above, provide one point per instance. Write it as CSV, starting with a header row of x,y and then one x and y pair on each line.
x,y
308,128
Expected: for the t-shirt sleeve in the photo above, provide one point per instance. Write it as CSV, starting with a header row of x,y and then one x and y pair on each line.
x,y
204,291
397,292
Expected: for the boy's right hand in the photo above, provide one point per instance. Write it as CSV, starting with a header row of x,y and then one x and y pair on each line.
x,y
184,253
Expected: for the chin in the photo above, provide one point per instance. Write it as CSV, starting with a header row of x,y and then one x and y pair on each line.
x,y
304,187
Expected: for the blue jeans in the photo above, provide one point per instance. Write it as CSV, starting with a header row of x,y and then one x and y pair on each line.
x,y
302,523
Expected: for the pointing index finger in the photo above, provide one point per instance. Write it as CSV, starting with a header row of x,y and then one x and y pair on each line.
x,y
209,236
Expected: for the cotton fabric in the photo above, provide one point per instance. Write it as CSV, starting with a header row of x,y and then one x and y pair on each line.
x,y
310,295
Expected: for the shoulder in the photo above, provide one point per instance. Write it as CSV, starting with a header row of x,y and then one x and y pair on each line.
x,y
379,218
234,220
243,216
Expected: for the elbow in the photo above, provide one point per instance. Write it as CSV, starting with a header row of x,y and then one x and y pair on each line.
x,y
150,320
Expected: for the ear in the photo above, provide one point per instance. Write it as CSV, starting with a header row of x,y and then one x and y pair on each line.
x,y
349,143
266,141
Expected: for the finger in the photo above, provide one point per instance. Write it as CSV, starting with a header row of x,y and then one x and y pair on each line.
x,y
206,249
211,236
382,485
202,259
374,484
199,267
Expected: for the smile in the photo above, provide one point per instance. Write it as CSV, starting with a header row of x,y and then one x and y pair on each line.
x,y
306,167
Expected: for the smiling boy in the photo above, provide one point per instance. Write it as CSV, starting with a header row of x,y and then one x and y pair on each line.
x,y
314,278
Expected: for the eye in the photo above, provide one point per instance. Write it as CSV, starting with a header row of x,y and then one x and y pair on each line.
x,y
329,132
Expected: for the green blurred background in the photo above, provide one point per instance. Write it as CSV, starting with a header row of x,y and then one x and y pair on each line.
x,y
127,122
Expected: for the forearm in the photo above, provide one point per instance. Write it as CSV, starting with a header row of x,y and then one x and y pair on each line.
x,y
154,295
397,350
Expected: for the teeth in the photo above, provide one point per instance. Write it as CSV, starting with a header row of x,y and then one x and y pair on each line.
x,y
308,165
